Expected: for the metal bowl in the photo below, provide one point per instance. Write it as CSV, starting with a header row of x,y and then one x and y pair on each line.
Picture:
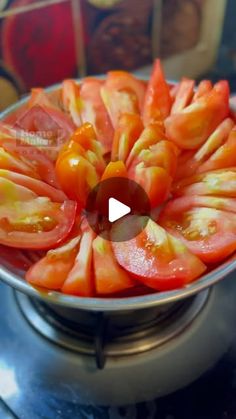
x,y
14,278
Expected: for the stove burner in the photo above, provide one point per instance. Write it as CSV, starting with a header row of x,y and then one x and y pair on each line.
x,y
105,335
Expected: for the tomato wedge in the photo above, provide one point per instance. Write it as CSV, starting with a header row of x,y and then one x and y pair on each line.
x,y
71,100
51,271
209,233
80,280
122,93
109,277
191,127
204,157
183,96
157,102
18,143
94,111
38,187
115,169
217,183
128,131
158,259
204,87
29,221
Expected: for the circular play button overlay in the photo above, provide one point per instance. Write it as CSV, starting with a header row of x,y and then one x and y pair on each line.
x,y
114,200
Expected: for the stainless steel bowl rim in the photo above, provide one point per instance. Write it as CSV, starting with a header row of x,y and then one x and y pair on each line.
x,y
113,304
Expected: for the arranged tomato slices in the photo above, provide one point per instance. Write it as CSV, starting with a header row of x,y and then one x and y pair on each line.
x,y
178,142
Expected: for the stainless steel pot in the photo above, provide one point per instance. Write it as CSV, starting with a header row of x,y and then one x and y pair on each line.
x,y
16,280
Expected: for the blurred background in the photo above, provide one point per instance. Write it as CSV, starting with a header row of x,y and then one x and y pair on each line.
x,y
45,41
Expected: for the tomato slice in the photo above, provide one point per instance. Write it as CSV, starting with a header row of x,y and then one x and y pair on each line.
x,y
151,135
222,158
122,93
80,280
18,143
155,181
158,259
38,187
217,183
207,232
191,127
204,87
202,159
157,102
29,221
71,100
183,96
109,277
94,111
128,131
51,271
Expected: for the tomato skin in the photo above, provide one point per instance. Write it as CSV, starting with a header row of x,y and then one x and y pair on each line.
x,y
109,276
190,128
157,259
80,279
122,93
64,217
157,102
115,169
201,160
128,131
52,270
184,95
216,183
94,111
209,233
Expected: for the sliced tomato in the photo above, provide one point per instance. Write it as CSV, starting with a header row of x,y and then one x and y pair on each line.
x,y
151,135
80,280
38,187
29,221
25,147
217,183
191,127
71,100
207,232
162,154
52,270
40,97
157,102
122,93
76,175
158,259
222,158
198,161
94,111
204,87
115,169
109,277
128,131
155,181
184,95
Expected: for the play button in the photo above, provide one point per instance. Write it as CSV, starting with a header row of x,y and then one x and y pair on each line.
x,y
117,210
114,199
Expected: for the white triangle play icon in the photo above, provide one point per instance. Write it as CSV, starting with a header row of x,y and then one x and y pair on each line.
x,y
117,210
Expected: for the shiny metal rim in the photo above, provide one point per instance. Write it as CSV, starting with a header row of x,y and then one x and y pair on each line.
x,y
114,304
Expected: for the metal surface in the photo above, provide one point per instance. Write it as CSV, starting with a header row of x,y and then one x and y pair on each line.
x,y
15,279
40,379
106,338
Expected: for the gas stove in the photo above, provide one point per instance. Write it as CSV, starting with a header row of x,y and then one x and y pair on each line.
x,y
63,363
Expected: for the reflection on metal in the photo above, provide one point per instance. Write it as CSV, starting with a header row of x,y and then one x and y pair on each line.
x,y
111,335
32,6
